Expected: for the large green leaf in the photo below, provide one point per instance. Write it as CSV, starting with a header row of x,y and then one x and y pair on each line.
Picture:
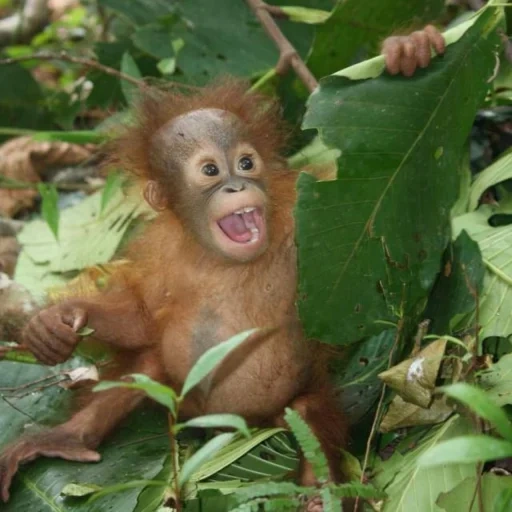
x,y
462,496
466,449
370,241
410,487
88,235
357,374
497,381
495,244
30,394
355,29
456,286
219,37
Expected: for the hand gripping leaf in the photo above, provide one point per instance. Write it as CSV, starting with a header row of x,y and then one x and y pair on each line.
x,y
370,242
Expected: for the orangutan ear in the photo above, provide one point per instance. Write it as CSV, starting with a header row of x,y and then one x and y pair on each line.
x,y
154,196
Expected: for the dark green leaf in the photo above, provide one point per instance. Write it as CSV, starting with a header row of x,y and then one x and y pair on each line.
x,y
140,12
50,207
456,288
133,453
355,29
380,228
205,453
158,392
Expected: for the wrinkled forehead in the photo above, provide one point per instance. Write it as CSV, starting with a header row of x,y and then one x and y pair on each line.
x,y
204,127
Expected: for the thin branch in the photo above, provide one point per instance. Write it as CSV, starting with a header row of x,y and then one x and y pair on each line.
x,y
83,61
379,409
289,56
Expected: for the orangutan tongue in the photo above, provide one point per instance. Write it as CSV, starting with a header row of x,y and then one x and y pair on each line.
x,y
235,228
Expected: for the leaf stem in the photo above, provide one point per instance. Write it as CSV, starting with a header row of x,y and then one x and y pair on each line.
x,y
498,272
288,55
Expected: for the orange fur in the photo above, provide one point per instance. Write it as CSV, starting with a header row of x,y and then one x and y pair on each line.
x,y
177,298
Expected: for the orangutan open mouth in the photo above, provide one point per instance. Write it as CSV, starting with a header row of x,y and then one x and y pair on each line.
x,y
243,226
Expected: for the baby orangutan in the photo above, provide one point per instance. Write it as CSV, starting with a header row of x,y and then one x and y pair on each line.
x,y
219,259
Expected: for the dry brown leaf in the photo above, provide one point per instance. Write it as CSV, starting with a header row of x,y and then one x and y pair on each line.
x,y
415,379
403,414
28,160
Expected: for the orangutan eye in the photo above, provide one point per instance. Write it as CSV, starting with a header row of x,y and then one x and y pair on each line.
x,y
245,163
210,170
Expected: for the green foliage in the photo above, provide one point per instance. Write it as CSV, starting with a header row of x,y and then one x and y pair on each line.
x,y
456,289
309,444
355,224
494,495
370,243
359,27
467,449
113,185
30,393
158,392
205,453
211,358
404,480
50,207
478,401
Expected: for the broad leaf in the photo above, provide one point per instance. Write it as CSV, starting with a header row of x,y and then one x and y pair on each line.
x,y
219,37
357,374
370,241
411,487
206,452
499,171
86,238
355,29
493,496
481,404
467,449
497,381
457,285
495,301
31,394
263,453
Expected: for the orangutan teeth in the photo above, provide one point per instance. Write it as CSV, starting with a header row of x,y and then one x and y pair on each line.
x,y
247,209
255,235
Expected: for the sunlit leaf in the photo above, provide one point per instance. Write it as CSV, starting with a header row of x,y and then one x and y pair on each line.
x,y
211,358
467,449
202,455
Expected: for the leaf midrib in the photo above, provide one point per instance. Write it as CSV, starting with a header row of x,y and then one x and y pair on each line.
x,y
368,224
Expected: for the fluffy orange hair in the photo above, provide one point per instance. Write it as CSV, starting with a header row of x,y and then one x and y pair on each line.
x,y
260,115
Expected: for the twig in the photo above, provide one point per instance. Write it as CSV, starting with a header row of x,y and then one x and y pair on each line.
x,y
288,55
379,409
83,61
